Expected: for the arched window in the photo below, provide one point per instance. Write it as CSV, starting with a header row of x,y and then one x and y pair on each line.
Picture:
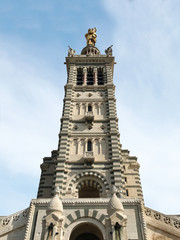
x,y
77,109
90,79
79,76
89,108
100,77
89,146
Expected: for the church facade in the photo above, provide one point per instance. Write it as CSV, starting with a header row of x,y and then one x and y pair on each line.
x,y
90,187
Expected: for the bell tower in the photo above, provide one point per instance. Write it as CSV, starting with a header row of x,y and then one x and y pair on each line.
x,y
90,160
90,187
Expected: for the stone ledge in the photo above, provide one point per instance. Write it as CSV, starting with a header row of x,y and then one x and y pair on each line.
x,y
163,221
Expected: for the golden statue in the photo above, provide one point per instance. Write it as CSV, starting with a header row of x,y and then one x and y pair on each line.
x,y
91,36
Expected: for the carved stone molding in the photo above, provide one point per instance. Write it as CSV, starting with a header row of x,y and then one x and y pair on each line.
x,y
15,217
5,222
134,165
148,212
172,221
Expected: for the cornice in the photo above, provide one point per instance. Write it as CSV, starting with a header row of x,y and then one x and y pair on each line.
x,y
93,201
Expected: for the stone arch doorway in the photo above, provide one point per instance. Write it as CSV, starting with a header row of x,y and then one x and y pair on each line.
x,y
86,231
87,236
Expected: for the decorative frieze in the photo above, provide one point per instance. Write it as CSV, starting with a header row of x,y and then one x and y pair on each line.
x,y
18,219
162,218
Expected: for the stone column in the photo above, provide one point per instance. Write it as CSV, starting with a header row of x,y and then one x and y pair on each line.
x,y
95,76
78,142
98,110
100,145
80,108
85,143
84,76
93,105
92,146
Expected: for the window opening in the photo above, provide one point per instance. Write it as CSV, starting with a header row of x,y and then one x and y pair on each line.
x,y
89,108
89,146
90,79
127,193
100,77
79,76
117,228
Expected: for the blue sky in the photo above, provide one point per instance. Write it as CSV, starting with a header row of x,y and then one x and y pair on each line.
x,y
34,36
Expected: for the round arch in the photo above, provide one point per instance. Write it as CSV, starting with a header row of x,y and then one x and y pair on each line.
x,y
89,188
92,176
84,227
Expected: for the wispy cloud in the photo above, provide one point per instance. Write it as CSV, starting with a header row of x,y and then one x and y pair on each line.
x,y
30,110
146,45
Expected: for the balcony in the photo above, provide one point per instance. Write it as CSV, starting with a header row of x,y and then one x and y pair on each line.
x,y
88,158
89,117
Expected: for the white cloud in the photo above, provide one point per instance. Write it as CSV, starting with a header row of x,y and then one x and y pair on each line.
x,y
146,46
30,110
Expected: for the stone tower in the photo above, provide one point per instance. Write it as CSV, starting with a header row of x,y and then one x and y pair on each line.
x,y
89,159
90,187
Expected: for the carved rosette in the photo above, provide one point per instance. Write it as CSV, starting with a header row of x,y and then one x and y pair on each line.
x,y
5,222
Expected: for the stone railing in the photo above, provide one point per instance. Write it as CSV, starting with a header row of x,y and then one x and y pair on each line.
x,y
89,155
14,221
88,158
14,218
169,220
89,116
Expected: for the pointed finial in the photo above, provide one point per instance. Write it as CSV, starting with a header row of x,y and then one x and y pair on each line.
x,y
71,52
119,192
113,190
91,36
56,191
55,203
108,51
114,204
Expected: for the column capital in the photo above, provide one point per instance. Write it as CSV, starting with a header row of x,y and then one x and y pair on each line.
x,y
85,69
95,69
